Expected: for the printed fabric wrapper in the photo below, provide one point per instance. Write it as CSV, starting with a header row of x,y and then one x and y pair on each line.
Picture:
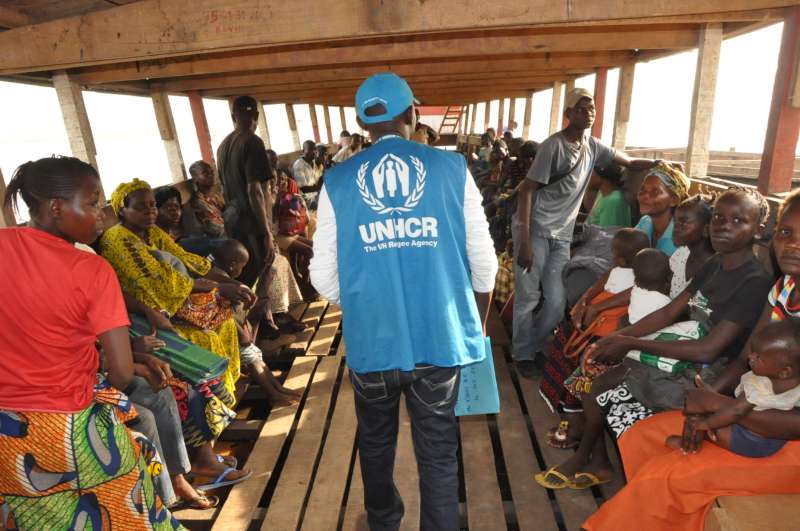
x,y
684,331
477,392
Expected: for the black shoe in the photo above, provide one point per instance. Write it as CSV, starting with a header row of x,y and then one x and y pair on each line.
x,y
527,369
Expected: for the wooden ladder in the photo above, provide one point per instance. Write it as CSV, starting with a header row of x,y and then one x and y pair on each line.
x,y
451,120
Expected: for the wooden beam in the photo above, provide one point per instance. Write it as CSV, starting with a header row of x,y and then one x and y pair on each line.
x,y
342,118
11,18
777,161
328,129
229,77
705,87
293,126
512,110
166,127
312,111
611,39
155,29
201,127
76,121
623,109
526,123
500,117
263,127
486,115
555,106
600,79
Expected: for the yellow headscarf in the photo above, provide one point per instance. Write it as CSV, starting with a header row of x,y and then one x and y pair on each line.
x,y
124,190
673,178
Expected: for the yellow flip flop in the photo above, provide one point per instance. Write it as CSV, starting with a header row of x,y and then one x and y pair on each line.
x,y
590,481
544,479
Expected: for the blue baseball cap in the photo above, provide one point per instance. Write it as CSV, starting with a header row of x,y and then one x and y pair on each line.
x,y
388,89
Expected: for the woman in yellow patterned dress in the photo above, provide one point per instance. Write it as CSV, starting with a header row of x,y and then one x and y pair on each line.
x,y
161,275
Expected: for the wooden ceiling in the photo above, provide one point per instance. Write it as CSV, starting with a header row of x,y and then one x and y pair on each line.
x,y
319,51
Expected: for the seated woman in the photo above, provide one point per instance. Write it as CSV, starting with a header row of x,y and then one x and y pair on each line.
x,y
663,188
723,296
180,222
140,252
610,209
662,490
59,302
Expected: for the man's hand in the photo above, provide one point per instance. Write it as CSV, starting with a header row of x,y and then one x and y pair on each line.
x,y
525,256
610,349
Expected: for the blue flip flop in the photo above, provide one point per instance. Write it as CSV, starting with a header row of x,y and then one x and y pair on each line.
x,y
220,480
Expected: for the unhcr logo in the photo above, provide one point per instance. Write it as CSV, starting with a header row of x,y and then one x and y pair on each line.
x,y
391,181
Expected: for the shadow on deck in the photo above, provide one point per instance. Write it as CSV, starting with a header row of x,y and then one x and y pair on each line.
x,y
304,460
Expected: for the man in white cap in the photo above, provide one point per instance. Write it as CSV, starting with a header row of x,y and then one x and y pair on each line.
x,y
548,204
403,242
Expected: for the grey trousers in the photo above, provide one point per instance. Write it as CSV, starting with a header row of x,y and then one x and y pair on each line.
x,y
161,416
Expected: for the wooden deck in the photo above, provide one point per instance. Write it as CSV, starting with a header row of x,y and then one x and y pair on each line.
x,y
304,459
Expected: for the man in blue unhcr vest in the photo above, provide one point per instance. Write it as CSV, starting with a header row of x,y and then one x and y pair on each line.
x,y
403,243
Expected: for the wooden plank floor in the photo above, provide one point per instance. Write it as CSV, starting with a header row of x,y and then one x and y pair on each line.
x,y
305,466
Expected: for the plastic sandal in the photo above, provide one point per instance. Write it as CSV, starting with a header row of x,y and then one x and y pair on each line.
x,y
590,481
544,479
195,503
220,480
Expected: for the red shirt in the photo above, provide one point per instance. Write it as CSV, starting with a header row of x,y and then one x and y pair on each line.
x,y
54,302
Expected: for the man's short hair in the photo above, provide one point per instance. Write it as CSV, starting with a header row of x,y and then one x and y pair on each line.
x,y
245,105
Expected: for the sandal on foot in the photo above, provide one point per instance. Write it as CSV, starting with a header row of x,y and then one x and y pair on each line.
x,y
220,480
558,437
545,479
200,503
586,480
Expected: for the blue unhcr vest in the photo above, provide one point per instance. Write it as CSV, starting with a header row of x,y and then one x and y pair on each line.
x,y
404,278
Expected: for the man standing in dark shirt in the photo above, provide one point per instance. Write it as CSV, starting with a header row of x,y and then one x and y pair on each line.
x,y
244,170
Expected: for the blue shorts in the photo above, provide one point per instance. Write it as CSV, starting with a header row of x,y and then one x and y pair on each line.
x,y
748,444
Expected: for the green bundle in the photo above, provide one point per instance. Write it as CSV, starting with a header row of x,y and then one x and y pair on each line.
x,y
194,364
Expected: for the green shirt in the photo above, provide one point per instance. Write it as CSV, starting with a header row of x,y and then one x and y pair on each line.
x,y
610,210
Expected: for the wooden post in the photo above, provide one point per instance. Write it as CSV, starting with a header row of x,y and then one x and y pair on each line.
x,y
343,119
705,86
166,127
526,122
293,126
312,111
201,127
512,110
464,119
555,107
76,121
327,117
600,79
568,86
500,112
263,128
472,119
7,219
486,113
623,111
777,161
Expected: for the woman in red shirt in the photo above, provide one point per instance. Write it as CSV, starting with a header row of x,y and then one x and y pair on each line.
x,y
66,457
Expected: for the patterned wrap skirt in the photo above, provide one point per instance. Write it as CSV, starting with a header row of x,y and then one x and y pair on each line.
x,y
80,470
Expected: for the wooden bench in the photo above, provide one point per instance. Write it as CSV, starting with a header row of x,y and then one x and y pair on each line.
x,y
774,512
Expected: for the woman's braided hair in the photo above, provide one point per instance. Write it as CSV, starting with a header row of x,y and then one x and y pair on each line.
x,y
788,202
755,195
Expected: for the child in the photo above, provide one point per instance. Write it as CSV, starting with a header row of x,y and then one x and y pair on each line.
x,y
231,257
772,383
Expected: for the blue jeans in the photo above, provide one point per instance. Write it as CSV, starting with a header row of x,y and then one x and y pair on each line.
x,y
431,394
530,330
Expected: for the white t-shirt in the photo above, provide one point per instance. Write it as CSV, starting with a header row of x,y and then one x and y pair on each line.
x,y
759,392
644,302
620,279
